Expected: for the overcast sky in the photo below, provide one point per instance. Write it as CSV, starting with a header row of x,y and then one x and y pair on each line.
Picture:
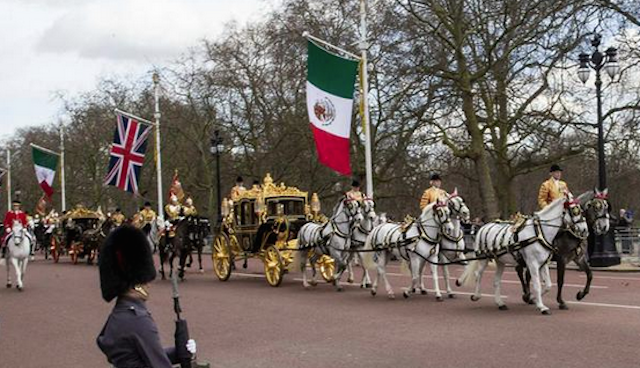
x,y
49,46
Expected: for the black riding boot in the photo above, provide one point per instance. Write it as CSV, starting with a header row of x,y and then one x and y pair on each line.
x,y
4,252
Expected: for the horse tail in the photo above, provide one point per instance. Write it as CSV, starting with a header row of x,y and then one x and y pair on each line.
x,y
367,257
469,276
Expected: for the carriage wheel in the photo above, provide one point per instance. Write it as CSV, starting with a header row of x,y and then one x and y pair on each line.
x,y
55,254
221,256
327,267
273,266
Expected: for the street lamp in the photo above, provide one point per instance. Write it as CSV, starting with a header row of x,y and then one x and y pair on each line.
x,y
602,249
597,61
216,149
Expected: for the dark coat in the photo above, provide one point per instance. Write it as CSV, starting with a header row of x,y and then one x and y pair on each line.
x,y
130,337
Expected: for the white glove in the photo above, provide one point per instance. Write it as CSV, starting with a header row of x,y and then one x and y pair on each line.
x,y
191,346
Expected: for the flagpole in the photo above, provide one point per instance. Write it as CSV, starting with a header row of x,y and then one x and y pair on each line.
x,y
156,82
8,180
63,193
365,100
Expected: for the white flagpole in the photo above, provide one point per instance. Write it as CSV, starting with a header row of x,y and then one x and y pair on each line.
x,y
365,91
63,194
156,82
8,180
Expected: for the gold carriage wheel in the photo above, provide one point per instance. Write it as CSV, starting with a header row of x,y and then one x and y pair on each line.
x,y
221,256
327,267
273,266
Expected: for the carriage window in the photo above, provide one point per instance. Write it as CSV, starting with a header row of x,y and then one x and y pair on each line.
x,y
247,213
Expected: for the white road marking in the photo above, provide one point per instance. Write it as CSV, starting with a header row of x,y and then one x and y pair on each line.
x,y
612,278
589,304
505,281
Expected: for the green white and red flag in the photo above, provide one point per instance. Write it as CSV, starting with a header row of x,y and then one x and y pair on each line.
x,y
330,87
45,163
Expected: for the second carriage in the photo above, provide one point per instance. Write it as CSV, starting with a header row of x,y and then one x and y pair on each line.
x,y
73,235
263,223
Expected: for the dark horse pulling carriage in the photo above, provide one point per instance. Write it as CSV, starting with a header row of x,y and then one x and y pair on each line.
x,y
263,223
189,234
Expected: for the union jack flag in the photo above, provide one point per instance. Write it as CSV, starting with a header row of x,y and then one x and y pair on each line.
x,y
127,153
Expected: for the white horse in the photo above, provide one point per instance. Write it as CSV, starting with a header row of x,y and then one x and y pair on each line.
x,y
359,235
415,243
332,238
153,236
18,251
452,246
533,244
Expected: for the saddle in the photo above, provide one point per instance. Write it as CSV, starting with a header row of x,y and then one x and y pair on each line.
x,y
406,224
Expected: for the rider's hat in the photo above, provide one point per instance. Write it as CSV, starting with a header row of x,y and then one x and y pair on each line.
x,y
355,184
555,167
147,204
125,261
16,201
239,179
435,176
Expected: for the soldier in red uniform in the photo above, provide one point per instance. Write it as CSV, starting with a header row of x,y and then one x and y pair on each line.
x,y
16,214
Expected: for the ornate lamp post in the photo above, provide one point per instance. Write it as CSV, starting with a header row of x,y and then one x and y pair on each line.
x,y
216,149
602,249
597,61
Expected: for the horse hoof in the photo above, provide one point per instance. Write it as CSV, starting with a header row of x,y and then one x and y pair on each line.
x,y
19,288
367,286
563,306
373,292
503,307
525,298
580,295
546,312
452,296
313,283
423,292
458,284
439,298
350,280
391,296
531,301
474,298
405,294
339,289
9,286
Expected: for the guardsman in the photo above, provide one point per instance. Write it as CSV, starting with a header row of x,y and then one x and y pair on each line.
x,y
147,215
237,189
118,217
15,214
172,211
355,192
189,209
434,192
553,188
130,336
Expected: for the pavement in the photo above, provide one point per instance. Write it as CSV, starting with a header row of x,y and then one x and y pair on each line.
x,y
246,323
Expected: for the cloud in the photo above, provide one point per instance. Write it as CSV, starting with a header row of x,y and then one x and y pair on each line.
x,y
142,30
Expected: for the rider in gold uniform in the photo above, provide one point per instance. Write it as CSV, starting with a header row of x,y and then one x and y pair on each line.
x,y
433,193
189,209
553,188
172,210
118,217
355,193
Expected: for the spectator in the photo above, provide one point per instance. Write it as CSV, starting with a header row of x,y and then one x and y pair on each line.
x,y
624,224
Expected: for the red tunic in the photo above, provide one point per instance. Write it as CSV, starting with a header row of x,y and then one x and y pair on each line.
x,y
11,216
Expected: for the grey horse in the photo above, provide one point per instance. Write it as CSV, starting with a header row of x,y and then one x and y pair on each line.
x,y
572,248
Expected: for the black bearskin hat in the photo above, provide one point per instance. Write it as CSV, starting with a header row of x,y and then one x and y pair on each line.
x,y
125,261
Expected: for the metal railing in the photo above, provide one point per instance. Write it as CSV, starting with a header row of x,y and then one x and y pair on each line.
x,y
628,241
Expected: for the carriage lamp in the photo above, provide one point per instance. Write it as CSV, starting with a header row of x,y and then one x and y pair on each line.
x,y
225,208
315,204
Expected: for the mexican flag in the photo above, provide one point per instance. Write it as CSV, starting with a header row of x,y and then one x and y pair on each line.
x,y
330,86
45,162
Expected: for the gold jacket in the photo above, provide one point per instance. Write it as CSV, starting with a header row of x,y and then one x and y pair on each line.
x,y
549,192
173,211
147,215
236,191
355,195
118,218
431,195
189,211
